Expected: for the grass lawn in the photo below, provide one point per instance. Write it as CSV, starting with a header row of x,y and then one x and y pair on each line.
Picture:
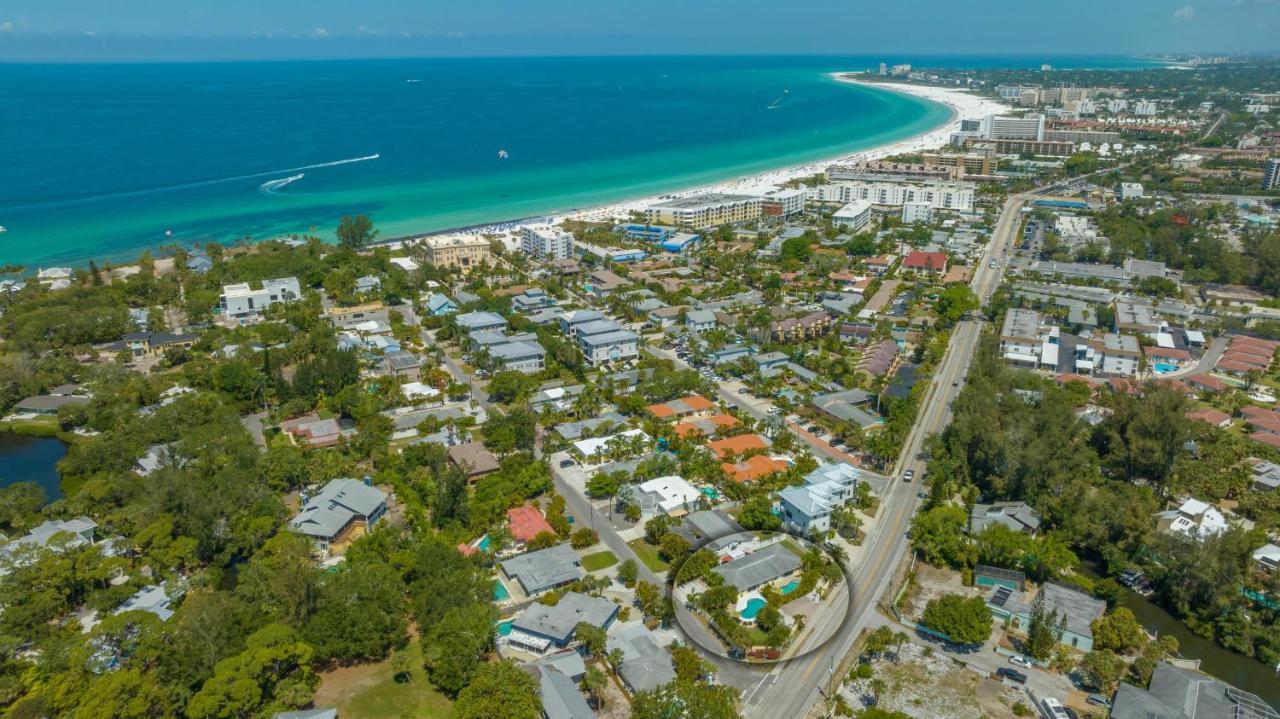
x,y
370,691
649,555
795,548
599,560
37,427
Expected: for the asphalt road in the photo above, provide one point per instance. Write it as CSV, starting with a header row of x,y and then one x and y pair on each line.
x,y
791,689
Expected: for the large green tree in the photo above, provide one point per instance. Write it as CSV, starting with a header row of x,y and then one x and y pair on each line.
x,y
966,620
355,231
499,689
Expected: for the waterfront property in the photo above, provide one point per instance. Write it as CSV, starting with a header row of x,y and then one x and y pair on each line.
x,y
703,211
1078,609
457,251
1180,693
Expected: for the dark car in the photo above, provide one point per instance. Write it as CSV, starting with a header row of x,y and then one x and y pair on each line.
x,y
567,463
1012,675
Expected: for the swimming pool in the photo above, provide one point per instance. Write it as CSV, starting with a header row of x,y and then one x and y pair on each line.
x,y
500,593
1164,368
754,605
504,628
790,586
710,493
483,544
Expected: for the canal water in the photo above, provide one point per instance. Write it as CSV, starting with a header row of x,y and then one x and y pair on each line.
x,y
1237,669
31,459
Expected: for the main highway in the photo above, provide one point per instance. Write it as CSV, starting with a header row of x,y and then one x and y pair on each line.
x,y
792,689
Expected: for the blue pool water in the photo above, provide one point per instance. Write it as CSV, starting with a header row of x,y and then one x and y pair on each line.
x,y
500,593
710,493
1163,368
790,586
754,605
504,628
483,544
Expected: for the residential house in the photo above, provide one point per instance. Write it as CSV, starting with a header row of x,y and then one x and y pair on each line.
x,y
49,404
540,626
526,522
1193,518
1266,476
559,692
571,320
150,344
1181,693
754,570
1267,558
699,321
606,341
1210,416
710,528
846,406
531,300
602,283
343,511
878,359
646,664
68,533
932,262
879,265
737,446
706,426
670,495
752,468
1018,516
806,509
544,570
526,357
438,305
402,364
316,432
473,459
244,305
1078,610
473,321
368,284
691,406
154,599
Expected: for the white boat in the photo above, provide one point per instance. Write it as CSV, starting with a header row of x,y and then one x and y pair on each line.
x,y
2,230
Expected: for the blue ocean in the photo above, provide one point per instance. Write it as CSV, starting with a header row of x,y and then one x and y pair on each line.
x,y
104,160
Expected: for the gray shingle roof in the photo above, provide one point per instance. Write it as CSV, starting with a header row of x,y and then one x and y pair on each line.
x,y
645,663
341,500
545,568
558,623
759,567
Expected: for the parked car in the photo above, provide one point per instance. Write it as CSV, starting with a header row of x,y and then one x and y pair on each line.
x,y
567,463
1012,675
1020,661
1099,700
744,390
908,475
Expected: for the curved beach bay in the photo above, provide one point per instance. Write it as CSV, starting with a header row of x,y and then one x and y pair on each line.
x,y
109,158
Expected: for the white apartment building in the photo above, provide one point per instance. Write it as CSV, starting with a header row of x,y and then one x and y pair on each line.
x,y
1145,108
853,216
1003,127
916,212
1025,341
957,196
779,201
1130,191
241,303
703,211
546,242
1117,105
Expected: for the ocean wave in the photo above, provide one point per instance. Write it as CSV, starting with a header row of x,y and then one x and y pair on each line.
x,y
82,199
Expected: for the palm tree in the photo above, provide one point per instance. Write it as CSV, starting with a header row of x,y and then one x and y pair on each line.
x,y
899,638
594,682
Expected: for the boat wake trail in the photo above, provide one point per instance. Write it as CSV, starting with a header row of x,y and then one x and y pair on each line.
x,y
267,187
272,187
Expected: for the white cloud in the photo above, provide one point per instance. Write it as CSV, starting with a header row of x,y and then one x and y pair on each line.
x,y
1184,13
7,27
320,32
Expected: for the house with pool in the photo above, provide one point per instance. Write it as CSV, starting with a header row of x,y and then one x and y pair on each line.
x,y
539,627
768,565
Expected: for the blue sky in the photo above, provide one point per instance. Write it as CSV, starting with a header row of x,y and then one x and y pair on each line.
x,y
39,29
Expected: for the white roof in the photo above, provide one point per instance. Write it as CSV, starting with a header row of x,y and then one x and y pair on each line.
x,y
1267,551
417,389
1165,340
405,263
1195,336
673,492
588,447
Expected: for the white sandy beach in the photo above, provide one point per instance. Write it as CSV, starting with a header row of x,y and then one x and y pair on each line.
x,y
962,103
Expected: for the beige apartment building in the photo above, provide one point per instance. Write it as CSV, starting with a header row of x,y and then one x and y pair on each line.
x,y
461,251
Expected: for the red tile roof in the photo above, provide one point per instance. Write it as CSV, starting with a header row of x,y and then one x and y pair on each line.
x,y
736,445
1265,438
526,523
753,468
1210,416
931,261
1207,382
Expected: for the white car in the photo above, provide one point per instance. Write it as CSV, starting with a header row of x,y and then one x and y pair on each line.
x,y
1020,661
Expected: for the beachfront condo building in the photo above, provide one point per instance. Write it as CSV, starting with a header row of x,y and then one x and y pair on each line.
x,y
461,251
956,196
703,211
546,243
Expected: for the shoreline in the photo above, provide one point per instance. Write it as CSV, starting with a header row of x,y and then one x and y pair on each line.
x,y
960,103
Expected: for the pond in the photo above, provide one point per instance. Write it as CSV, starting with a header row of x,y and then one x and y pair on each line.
x,y
32,459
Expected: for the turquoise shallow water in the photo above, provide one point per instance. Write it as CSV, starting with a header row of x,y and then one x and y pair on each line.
x,y
101,161
105,159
